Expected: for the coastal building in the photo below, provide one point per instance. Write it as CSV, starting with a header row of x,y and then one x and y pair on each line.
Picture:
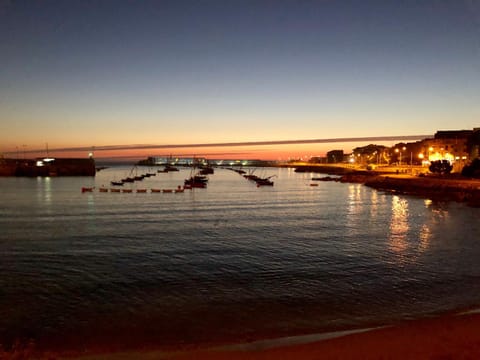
x,y
459,147
172,160
245,162
407,153
370,154
451,145
335,156
201,161
473,144
317,160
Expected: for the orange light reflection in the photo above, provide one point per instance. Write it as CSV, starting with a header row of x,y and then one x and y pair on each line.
x,y
399,225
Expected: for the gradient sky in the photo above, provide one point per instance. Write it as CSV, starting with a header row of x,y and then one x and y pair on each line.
x,y
95,73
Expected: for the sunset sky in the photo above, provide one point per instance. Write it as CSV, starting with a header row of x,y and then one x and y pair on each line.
x,y
100,73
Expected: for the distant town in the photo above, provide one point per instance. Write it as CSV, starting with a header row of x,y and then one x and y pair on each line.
x,y
448,151
458,148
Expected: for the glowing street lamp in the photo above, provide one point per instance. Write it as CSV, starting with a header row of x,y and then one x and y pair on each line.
x,y
422,157
400,155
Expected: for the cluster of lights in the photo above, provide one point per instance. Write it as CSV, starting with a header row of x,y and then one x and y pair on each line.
x,y
426,160
44,162
434,156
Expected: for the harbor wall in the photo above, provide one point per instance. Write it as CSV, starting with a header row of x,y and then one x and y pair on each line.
x,y
55,167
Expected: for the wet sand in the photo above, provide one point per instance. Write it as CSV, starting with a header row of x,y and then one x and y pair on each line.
x,y
446,337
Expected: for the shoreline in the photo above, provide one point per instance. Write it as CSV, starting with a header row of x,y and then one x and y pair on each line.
x,y
435,188
446,336
452,187
453,332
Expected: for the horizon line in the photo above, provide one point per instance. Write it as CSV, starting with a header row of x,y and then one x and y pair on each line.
x,y
225,144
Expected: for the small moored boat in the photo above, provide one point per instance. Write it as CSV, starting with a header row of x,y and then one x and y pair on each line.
x,y
264,181
169,167
197,181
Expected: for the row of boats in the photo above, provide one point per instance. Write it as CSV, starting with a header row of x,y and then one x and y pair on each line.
x,y
198,180
102,189
260,181
132,178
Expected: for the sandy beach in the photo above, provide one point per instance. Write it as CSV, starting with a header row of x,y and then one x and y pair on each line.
x,y
445,337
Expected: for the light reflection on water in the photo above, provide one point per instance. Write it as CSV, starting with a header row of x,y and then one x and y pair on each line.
x,y
425,236
409,239
231,260
44,193
399,225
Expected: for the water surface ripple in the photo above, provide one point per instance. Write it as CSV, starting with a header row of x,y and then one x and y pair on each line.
x,y
230,262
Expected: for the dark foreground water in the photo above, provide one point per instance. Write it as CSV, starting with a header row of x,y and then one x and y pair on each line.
x,y
232,262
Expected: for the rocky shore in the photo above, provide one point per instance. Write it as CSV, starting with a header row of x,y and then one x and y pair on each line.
x,y
461,190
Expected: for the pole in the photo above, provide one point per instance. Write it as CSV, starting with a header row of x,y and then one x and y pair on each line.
x,y
411,161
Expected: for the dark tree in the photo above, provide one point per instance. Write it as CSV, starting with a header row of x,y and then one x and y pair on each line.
x,y
472,170
441,167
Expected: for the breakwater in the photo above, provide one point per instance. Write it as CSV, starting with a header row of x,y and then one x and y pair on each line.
x,y
47,167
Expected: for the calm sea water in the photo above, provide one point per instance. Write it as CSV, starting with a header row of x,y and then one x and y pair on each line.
x,y
227,263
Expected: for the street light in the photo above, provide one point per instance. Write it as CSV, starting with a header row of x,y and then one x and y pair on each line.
x,y
400,155
421,157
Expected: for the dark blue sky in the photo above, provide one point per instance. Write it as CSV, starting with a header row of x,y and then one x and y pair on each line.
x,y
215,71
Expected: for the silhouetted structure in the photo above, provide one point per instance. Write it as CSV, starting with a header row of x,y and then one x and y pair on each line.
x,y
48,167
335,156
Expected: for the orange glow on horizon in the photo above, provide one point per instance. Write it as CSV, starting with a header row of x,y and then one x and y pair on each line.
x,y
255,152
